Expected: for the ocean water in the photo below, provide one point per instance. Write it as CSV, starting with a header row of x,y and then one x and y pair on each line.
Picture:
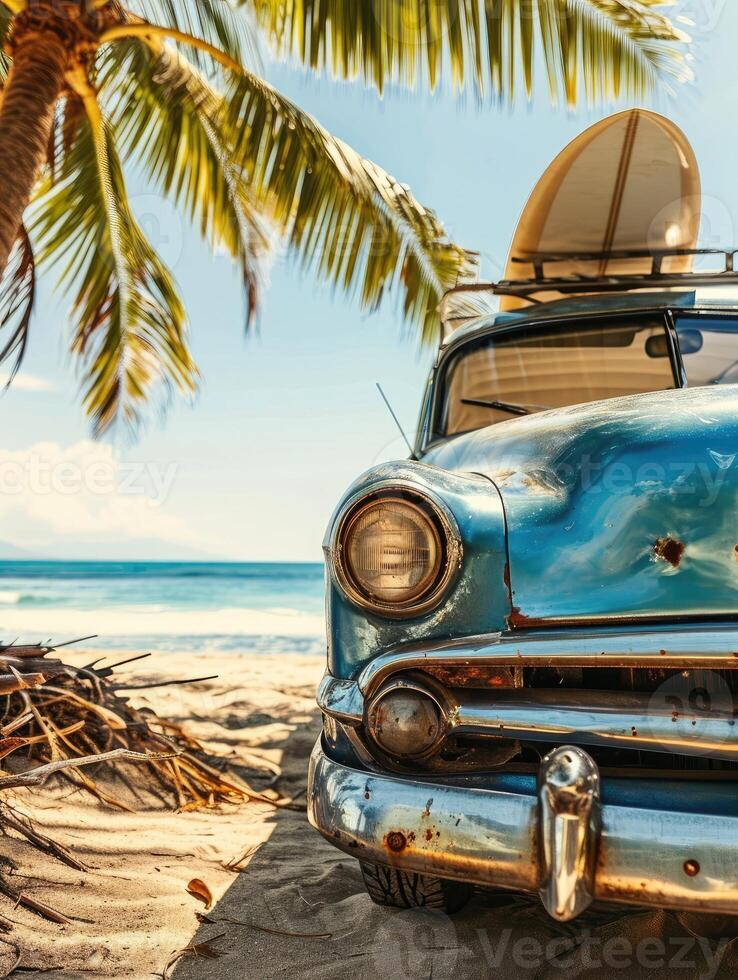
x,y
252,607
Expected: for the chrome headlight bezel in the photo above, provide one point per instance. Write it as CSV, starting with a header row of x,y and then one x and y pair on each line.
x,y
444,528
432,693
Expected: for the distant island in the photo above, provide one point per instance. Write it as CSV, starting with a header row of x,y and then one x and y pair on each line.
x,y
127,551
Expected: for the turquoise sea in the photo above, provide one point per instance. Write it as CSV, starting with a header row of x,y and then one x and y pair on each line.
x,y
165,605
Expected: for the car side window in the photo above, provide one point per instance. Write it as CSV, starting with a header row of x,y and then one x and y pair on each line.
x,y
709,349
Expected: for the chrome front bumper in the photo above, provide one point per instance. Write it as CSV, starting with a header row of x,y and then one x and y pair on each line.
x,y
563,843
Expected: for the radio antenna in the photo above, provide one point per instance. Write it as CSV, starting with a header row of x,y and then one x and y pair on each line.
x,y
396,420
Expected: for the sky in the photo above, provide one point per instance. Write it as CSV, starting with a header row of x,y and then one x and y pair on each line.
x,y
289,416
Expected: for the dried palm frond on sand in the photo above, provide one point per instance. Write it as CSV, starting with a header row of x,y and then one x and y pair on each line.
x,y
76,722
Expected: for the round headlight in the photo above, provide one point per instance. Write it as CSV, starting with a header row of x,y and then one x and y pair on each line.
x,y
406,722
395,553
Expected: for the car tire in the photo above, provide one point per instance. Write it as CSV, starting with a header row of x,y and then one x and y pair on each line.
x,y
406,890
705,926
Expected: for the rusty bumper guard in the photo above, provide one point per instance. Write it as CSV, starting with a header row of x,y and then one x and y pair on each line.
x,y
562,843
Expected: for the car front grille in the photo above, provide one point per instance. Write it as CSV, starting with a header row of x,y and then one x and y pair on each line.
x,y
687,707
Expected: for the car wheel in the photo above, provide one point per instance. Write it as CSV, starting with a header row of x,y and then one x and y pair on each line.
x,y
406,890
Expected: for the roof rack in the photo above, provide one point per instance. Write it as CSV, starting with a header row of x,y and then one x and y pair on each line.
x,y
603,282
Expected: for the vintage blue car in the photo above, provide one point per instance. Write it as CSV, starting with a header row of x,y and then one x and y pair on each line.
x,y
533,621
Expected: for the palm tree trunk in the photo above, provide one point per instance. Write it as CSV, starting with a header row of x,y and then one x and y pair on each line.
x,y
32,90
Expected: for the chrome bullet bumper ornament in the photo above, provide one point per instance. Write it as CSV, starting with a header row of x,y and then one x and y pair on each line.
x,y
569,827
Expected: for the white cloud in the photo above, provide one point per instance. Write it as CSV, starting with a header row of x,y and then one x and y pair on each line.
x,y
26,382
55,498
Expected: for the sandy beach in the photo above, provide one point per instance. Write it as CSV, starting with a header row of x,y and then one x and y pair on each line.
x,y
131,912
286,903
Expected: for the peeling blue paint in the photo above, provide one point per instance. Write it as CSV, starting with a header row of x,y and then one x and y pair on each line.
x,y
588,492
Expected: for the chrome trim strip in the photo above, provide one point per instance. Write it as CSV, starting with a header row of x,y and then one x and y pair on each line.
x,y
599,718
341,700
646,857
629,720
570,821
680,648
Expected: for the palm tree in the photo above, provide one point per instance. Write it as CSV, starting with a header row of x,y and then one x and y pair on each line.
x,y
173,87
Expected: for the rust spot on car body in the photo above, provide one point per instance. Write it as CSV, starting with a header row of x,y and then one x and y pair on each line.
x,y
670,550
396,841
473,675
518,620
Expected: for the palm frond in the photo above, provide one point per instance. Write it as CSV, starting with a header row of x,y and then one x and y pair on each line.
x,y
129,323
17,296
347,219
218,22
613,46
167,119
226,159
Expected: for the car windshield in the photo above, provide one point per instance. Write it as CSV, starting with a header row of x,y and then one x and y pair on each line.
x,y
525,370
709,349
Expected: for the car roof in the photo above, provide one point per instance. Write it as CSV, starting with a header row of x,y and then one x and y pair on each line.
x,y
708,300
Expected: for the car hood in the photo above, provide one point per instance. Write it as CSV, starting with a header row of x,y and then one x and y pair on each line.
x,y
617,509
